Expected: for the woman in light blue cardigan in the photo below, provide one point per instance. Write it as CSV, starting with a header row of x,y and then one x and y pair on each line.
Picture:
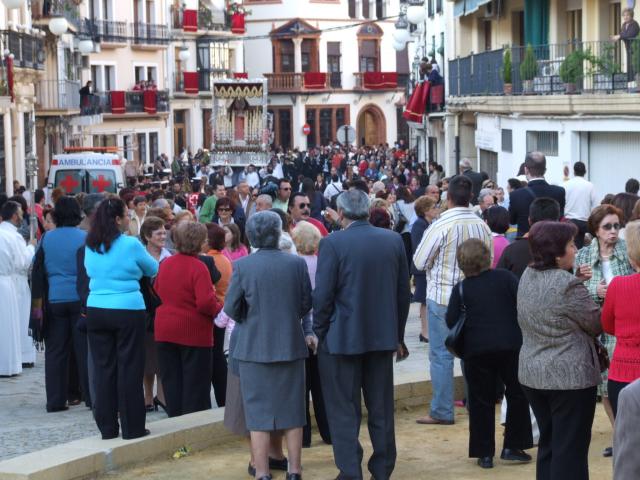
x,y
115,263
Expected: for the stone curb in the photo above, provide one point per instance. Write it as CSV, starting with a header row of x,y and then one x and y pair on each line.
x,y
90,457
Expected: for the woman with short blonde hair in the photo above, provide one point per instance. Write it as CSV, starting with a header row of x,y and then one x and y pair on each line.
x,y
306,238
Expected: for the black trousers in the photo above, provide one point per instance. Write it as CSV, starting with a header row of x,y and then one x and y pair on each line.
x,y
614,388
219,367
186,377
582,231
116,345
63,339
565,418
343,378
314,387
481,373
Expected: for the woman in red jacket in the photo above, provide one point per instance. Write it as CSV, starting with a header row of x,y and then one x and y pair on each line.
x,y
621,318
183,323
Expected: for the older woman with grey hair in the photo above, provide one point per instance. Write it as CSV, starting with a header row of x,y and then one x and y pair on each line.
x,y
269,294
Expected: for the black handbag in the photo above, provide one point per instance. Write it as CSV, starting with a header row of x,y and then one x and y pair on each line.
x,y
455,340
151,301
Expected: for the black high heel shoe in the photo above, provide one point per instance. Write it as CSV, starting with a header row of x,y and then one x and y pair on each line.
x,y
151,408
157,403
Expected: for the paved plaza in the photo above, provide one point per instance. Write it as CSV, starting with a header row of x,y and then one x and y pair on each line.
x,y
25,426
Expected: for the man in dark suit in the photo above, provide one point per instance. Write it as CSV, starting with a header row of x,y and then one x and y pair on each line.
x,y
475,177
535,166
360,308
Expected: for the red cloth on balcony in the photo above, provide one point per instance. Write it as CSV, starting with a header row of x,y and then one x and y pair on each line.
x,y
9,61
315,80
191,82
190,20
150,101
117,102
380,80
237,23
417,104
437,96
389,80
240,75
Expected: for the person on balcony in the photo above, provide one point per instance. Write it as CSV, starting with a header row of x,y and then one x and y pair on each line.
x,y
628,33
85,97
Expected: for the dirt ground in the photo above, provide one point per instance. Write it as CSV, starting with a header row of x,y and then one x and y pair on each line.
x,y
424,452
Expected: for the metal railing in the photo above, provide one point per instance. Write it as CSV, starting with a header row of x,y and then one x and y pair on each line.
x,y
150,34
108,31
57,95
206,78
133,102
572,67
42,9
28,50
335,79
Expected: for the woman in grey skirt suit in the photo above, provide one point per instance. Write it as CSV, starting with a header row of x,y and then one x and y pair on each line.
x,y
269,294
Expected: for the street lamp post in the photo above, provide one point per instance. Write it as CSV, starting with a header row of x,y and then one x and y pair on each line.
x,y
32,172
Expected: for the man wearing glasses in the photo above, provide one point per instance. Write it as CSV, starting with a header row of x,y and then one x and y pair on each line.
x,y
284,193
300,209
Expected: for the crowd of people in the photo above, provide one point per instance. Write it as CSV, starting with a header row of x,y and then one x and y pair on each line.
x,y
257,284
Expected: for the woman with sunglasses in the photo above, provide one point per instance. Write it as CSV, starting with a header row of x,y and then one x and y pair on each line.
x,y
597,264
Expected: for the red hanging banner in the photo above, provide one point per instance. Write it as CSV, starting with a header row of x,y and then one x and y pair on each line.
x,y
117,102
190,20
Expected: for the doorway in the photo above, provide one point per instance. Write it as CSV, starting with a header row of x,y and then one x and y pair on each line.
x,y
179,131
372,129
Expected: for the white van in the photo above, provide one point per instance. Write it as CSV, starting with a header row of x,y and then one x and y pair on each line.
x,y
88,170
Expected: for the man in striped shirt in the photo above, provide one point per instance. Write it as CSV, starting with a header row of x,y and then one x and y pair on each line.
x,y
436,255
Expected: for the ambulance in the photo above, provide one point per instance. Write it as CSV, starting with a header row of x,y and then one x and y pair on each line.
x,y
88,170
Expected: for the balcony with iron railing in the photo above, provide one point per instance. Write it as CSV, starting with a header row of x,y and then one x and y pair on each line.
x,y
206,19
134,103
104,31
306,82
43,10
57,95
599,67
27,49
150,34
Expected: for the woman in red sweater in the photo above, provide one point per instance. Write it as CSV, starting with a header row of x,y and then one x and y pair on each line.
x,y
621,318
184,323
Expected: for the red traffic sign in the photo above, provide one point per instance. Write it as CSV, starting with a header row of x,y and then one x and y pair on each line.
x,y
306,129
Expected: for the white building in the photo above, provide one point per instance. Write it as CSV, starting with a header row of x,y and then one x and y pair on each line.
x,y
324,70
593,118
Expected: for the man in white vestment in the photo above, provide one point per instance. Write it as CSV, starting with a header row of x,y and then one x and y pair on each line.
x,y
16,346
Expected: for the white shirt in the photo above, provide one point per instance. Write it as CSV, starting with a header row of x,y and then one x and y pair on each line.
x,y
581,198
334,188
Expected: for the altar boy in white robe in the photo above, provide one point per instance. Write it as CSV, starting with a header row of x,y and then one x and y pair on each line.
x,y
16,346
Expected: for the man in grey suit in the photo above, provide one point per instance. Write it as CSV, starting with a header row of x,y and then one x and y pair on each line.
x,y
626,439
360,308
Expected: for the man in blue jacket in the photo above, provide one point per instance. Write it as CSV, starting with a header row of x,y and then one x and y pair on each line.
x,y
360,308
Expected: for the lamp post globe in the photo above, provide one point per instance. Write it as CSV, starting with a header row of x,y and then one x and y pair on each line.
x,y
401,35
416,14
58,25
85,46
184,54
10,4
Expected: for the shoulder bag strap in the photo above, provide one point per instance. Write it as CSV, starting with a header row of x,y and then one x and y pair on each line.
x,y
463,307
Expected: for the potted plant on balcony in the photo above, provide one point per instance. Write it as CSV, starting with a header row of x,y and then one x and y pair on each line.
x,y
506,72
528,70
238,13
609,76
572,70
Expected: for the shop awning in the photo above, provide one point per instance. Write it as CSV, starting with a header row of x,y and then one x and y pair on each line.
x,y
465,7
